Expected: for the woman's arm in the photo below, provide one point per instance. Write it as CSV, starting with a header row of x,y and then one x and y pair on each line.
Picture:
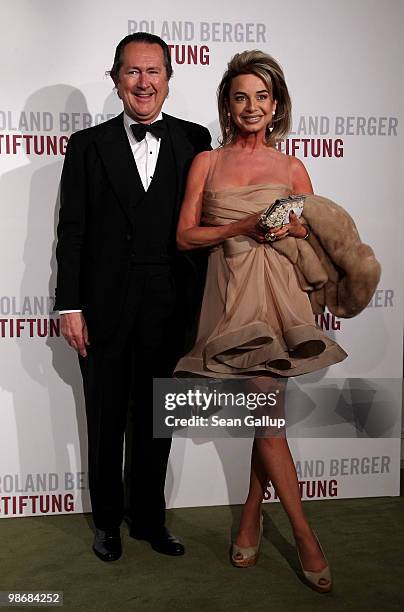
x,y
301,184
190,234
299,177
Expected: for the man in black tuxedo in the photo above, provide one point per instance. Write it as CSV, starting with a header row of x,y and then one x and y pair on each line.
x,y
121,190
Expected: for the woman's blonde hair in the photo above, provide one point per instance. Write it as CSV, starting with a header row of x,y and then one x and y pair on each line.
x,y
266,68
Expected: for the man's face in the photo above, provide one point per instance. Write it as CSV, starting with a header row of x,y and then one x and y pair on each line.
x,y
142,81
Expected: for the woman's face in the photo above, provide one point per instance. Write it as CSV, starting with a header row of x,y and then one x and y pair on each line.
x,y
250,103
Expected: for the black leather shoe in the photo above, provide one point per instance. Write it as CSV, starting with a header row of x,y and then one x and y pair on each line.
x,y
107,544
161,541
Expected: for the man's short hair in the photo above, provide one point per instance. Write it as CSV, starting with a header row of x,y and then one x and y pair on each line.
x,y
140,37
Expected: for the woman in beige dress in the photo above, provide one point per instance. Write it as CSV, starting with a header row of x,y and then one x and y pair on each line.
x,y
255,318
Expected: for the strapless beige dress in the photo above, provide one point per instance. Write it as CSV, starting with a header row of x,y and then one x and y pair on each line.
x,y
255,318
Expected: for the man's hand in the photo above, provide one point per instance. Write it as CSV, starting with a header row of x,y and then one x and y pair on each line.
x,y
74,330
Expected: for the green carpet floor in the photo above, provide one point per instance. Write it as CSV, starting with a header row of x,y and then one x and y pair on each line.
x,y
363,539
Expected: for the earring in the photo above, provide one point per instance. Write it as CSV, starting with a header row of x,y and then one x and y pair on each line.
x,y
271,126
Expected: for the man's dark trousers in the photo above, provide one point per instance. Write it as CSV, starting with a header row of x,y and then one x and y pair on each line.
x,y
120,374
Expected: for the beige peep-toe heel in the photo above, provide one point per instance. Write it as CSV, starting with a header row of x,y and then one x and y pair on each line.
x,y
246,557
313,578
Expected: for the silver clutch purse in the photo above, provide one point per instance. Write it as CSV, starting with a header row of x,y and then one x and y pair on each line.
x,y
277,214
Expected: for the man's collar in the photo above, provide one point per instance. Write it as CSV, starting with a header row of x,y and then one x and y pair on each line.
x,y
128,121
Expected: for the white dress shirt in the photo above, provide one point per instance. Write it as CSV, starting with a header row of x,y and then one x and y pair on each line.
x,y
145,154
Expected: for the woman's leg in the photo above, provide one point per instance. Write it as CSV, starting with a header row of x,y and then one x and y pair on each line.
x,y
272,460
250,518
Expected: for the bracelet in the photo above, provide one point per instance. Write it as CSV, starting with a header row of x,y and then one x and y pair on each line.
x,y
308,231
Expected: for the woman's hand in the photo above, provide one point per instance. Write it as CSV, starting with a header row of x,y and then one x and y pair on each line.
x,y
249,227
294,228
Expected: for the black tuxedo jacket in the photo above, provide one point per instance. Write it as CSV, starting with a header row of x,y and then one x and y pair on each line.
x,y
98,186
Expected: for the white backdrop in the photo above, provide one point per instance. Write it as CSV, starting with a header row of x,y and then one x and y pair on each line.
x,y
343,64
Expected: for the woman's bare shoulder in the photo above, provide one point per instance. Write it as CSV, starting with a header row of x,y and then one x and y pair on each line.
x,y
288,160
202,161
205,158
296,167
299,176
295,164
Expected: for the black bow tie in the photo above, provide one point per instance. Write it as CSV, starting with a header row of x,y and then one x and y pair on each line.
x,y
158,129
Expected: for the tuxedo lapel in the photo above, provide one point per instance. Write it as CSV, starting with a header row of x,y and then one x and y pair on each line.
x,y
183,154
120,166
